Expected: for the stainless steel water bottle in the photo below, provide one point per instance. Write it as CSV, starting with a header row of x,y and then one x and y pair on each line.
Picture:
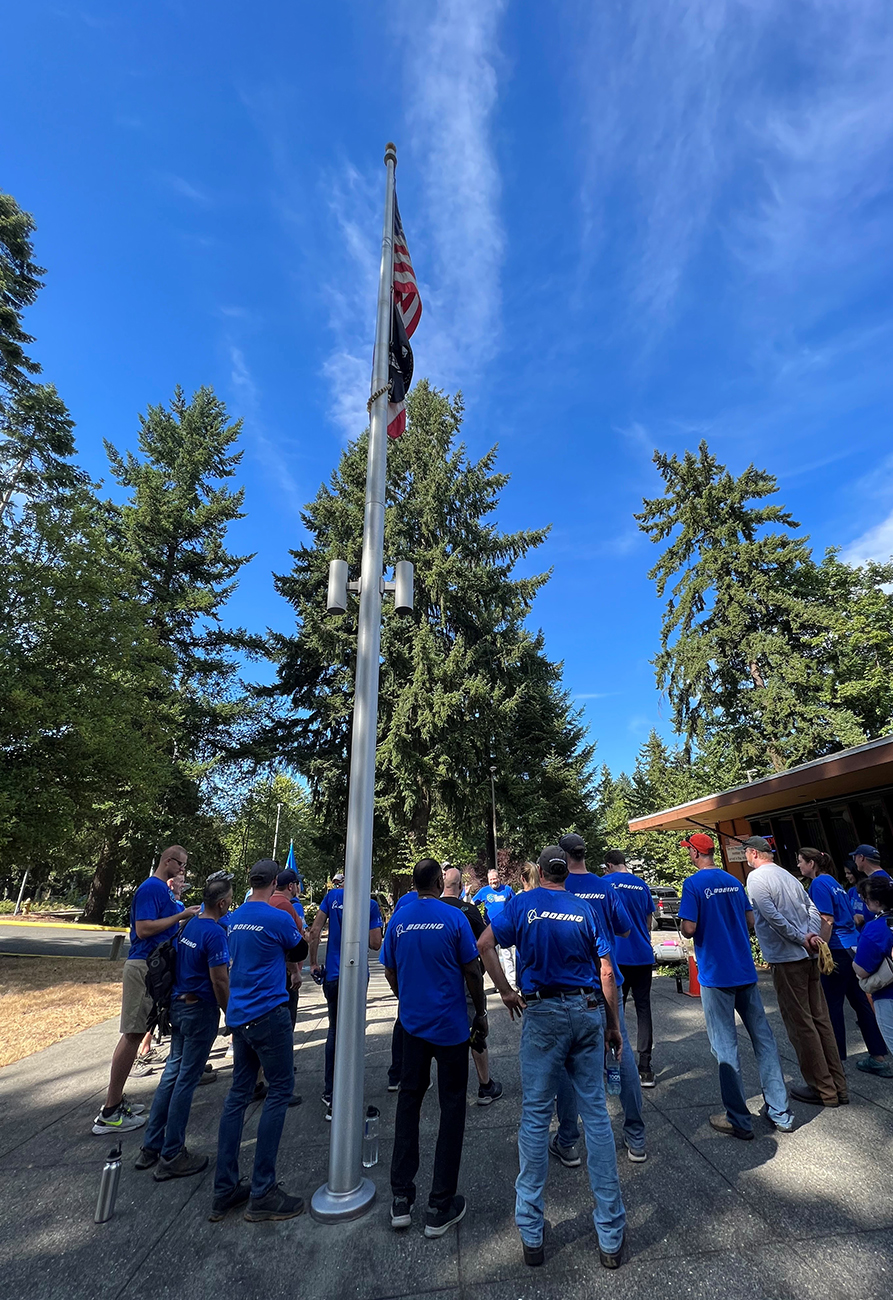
x,y
370,1137
108,1186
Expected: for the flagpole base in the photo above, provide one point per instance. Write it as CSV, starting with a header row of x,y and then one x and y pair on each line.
x,y
340,1207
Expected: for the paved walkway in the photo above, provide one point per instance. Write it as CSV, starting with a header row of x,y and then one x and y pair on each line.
x,y
806,1216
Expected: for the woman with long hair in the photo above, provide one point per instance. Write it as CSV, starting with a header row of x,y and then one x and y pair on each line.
x,y
840,933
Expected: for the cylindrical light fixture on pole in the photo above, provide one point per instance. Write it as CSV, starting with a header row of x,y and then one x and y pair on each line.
x,y
348,1194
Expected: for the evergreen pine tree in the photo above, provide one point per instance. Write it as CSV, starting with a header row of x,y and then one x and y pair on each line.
x,y
464,684
741,636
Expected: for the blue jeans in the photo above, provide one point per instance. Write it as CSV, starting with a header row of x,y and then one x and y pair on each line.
x,y
630,1099
557,1035
267,1042
720,1006
193,1030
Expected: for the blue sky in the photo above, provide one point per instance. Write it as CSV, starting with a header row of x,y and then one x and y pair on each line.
x,y
634,226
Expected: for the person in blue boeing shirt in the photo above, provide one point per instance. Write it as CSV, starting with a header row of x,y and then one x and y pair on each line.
x,y
613,923
569,1001
715,911
201,990
262,941
330,913
840,933
634,954
396,1067
876,943
493,899
866,863
430,958
154,917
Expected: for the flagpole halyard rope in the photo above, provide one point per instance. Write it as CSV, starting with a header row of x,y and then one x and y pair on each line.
x,y
374,398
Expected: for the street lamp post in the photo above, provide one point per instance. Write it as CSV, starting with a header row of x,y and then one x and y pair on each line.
x,y
493,808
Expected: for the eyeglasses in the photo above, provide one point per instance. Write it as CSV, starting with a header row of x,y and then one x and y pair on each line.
x,y
218,875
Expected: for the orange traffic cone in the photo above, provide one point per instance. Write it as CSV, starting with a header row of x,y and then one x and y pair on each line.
x,y
694,985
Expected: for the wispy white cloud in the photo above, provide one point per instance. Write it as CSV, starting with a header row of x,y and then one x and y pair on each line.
x,y
186,189
595,695
874,544
267,452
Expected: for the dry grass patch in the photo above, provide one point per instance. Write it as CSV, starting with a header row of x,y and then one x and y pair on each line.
x,y
44,999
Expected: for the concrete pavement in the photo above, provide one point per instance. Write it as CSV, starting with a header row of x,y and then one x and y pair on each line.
x,y
805,1216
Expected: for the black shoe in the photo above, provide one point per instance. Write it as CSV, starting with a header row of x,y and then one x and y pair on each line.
x,y
401,1212
843,1098
183,1165
219,1206
533,1255
613,1260
146,1158
260,1092
438,1221
646,1078
275,1205
811,1097
724,1125
569,1156
393,1085
294,1100
328,1115
491,1093
209,1069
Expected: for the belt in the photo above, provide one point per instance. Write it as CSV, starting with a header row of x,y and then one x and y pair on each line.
x,y
543,993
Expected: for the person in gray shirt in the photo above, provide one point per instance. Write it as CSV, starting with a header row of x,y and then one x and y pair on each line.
x,y
788,926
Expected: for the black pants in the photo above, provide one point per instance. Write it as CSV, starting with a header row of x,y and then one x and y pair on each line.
x,y
637,980
396,1066
452,1082
330,989
842,985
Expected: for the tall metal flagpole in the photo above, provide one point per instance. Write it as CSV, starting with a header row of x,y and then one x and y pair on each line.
x,y
347,1194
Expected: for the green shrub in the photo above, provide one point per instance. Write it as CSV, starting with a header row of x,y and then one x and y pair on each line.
x,y
7,907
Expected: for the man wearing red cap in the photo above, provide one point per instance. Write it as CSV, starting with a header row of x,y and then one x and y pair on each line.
x,y
715,911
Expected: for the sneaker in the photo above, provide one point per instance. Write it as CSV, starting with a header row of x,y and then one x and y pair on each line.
x,y
209,1069
274,1206
881,1068
438,1221
811,1097
294,1100
491,1093
394,1087
646,1078
724,1125
787,1127
328,1115
221,1204
121,1120
146,1158
401,1212
569,1156
533,1255
637,1155
133,1107
183,1165
260,1092
207,1078
144,1065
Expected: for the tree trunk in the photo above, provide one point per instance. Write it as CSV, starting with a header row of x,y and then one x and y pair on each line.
x,y
421,816
103,879
759,682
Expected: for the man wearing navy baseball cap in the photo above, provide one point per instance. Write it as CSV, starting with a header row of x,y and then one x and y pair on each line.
x,y
867,862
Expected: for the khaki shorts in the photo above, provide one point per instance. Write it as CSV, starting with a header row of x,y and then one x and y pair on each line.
x,y
136,1005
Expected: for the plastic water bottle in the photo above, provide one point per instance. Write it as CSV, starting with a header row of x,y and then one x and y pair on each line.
x,y
612,1071
108,1186
370,1138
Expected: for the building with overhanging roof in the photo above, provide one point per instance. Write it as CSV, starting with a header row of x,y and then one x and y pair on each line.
x,y
833,803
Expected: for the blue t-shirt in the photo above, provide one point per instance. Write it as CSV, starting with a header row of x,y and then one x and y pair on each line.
x,y
332,906
403,900
258,936
151,902
636,949
875,943
494,900
202,944
830,899
556,940
718,904
427,946
299,907
857,902
611,917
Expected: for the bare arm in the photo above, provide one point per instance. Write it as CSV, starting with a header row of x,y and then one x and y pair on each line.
x,y
859,972
220,984
827,927
391,977
375,938
613,1037
313,941
474,981
146,929
688,927
487,948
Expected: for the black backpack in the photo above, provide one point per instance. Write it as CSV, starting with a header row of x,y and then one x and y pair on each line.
x,y
161,973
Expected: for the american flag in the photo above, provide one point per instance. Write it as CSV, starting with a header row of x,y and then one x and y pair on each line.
x,y
407,314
